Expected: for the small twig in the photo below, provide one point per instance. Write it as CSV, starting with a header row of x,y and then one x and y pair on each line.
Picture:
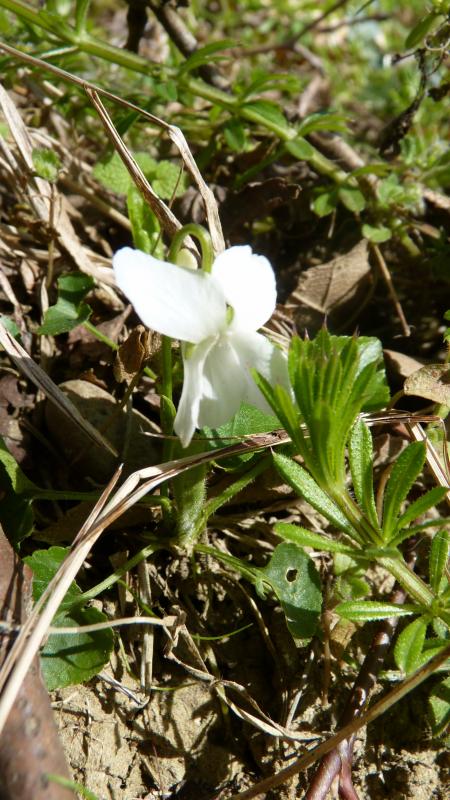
x,y
386,275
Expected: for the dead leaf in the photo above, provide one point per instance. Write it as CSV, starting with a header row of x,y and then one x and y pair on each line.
x,y
401,365
431,382
332,290
133,353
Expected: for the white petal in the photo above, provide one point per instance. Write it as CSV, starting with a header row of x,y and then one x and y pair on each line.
x,y
257,352
172,300
248,283
186,420
224,384
228,381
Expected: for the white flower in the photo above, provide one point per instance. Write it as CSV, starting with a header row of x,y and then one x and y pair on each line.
x,y
219,314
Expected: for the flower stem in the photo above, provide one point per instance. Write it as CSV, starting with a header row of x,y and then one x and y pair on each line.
x,y
205,244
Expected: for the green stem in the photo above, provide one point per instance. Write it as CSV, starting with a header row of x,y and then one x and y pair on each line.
x,y
117,574
203,237
413,584
251,573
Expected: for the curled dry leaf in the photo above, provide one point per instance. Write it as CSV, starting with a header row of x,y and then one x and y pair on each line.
x,y
431,382
332,290
131,356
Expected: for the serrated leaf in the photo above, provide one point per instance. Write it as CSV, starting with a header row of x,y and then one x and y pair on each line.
x,y
68,659
113,174
47,163
306,487
246,421
295,580
325,203
305,538
352,198
409,645
360,450
376,233
439,700
438,559
371,610
168,180
300,148
403,474
69,310
45,564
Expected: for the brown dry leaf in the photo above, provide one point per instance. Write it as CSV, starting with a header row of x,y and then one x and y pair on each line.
x,y
332,290
431,382
133,353
401,365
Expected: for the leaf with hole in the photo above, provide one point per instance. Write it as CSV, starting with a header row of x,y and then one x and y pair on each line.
x,y
296,582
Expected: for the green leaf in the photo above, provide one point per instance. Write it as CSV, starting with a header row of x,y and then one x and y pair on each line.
x,y
372,610
409,645
421,505
376,233
47,163
352,198
295,580
325,203
360,452
420,31
438,559
248,420
144,225
69,310
20,484
305,538
68,659
268,111
300,149
439,700
168,181
322,121
403,474
10,326
235,135
206,55
112,173
16,493
306,487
